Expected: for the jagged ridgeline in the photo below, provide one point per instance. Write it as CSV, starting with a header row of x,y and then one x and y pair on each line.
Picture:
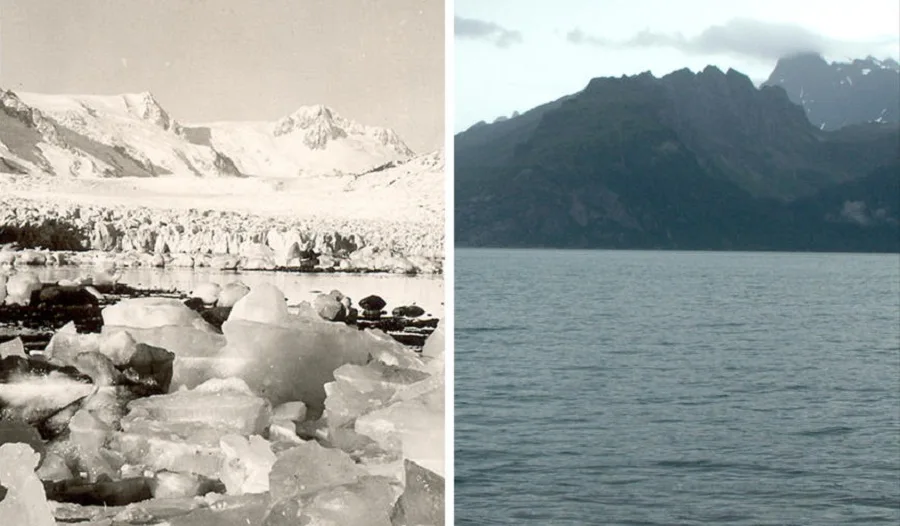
x,y
686,161
132,135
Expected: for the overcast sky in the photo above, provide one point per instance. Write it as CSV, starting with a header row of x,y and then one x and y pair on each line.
x,y
513,55
377,62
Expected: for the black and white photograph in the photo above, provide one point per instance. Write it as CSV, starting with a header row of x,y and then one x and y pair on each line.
x,y
222,287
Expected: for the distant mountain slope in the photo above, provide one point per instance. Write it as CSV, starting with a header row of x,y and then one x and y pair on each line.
x,y
699,161
840,93
313,140
131,132
132,135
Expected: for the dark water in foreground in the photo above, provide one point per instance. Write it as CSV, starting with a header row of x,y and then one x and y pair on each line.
x,y
600,387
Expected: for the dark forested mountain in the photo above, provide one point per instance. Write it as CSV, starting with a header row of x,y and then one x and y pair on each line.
x,y
689,161
841,93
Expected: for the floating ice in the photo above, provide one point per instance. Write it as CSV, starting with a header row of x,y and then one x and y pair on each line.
x,y
25,501
264,304
309,468
19,287
208,292
247,464
12,347
231,293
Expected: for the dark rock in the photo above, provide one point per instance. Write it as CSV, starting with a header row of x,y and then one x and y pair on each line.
x,y
12,432
422,501
195,304
216,316
352,315
371,314
409,311
70,296
101,493
372,303
149,372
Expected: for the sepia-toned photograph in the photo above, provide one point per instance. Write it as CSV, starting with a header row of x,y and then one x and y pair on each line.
x,y
222,262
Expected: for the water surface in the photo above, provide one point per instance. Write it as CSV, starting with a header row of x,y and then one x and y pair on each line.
x,y
615,387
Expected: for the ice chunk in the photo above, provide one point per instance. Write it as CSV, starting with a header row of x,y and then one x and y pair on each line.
x,y
64,346
247,464
413,424
309,468
367,501
33,391
54,468
264,304
289,411
150,313
227,405
20,286
291,363
422,501
172,485
12,348
360,389
119,346
231,293
87,437
25,501
208,292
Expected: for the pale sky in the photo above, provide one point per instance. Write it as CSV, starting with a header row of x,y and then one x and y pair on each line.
x,y
377,62
512,55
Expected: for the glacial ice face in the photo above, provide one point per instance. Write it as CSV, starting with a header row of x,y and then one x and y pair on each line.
x,y
25,501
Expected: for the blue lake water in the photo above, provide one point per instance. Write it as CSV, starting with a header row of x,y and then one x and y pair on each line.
x,y
616,387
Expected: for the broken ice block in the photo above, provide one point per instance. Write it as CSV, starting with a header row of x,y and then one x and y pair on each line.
x,y
309,468
25,501
150,313
422,501
367,501
413,424
225,404
360,389
118,346
231,293
289,363
65,345
12,348
208,292
247,464
264,304
34,391
20,286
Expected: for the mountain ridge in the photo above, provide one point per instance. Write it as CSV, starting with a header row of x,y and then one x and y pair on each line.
x,y
688,160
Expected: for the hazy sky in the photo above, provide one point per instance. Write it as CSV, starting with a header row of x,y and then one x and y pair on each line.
x,y
513,55
377,62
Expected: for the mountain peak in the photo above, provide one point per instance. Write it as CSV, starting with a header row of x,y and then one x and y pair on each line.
x,y
145,106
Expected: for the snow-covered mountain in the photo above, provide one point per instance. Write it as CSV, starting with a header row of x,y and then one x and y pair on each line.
x,y
314,140
132,135
840,94
121,135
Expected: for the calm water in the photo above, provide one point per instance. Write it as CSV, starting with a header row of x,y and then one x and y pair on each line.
x,y
396,289
603,387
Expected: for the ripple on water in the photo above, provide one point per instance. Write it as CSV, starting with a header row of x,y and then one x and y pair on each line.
x,y
676,388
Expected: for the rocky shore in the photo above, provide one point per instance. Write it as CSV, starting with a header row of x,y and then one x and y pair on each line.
x,y
60,232
223,406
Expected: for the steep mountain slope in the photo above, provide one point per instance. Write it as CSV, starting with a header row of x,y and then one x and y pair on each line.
x,y
131,132
841,93
314,140
701,161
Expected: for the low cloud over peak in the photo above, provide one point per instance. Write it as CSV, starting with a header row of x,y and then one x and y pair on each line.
x,y
740,37
474,29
